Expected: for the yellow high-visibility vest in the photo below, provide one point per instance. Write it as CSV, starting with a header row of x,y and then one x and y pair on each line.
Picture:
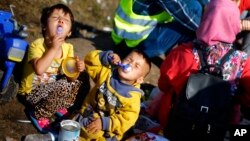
x,y
134,28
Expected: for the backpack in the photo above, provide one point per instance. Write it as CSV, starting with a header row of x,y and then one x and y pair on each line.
x,y
202,110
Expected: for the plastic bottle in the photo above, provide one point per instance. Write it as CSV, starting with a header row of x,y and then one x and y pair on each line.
x,y
125,67
40,137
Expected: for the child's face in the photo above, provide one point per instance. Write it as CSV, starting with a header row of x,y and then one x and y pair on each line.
x,y
138,68
58,19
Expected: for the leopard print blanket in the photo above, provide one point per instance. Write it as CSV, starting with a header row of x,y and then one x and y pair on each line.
x,y
48,98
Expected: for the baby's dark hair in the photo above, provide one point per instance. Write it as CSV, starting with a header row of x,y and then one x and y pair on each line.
x,y
46,12
147,59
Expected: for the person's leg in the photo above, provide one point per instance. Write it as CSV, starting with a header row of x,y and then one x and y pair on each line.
x,y
164,37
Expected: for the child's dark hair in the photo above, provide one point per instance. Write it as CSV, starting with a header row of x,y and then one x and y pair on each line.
x,y
145,56
49,10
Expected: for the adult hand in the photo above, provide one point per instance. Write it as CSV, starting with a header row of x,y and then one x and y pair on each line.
x,y
245,24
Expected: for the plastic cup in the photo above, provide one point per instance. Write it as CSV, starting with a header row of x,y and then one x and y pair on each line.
x,y
69,131
69,67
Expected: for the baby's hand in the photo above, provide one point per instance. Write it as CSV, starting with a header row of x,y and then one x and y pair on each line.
x,y
115,58
80,64
95,126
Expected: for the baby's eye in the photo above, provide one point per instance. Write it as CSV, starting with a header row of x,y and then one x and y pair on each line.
x,y
126,60
66,19
137,66
55,17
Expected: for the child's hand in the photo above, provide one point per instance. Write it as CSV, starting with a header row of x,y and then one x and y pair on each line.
x,y
95,126
115,59
80,64
57,41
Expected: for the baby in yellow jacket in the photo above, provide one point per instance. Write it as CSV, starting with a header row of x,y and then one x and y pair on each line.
x,y
113,105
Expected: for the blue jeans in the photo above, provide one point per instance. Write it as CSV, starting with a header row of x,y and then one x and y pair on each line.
x,y
187,12
164,37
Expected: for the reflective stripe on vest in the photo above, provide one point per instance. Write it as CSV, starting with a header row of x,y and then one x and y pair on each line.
x,y
132,27
131,31
129,43
120,13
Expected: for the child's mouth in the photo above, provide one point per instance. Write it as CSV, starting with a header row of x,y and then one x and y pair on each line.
x,y
125,67
59,30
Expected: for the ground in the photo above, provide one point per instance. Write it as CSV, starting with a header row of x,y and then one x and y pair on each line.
x,y
92,31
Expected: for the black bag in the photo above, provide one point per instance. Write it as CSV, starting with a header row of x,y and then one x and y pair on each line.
x,y
202,110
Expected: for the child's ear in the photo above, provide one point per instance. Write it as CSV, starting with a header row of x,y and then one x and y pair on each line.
x,y
140,80
43,28
68,34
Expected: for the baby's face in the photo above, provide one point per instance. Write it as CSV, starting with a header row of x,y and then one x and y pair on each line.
x,y
138,67
58,19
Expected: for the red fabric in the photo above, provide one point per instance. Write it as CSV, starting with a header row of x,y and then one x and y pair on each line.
x,y
245,85
244,5
175,71
176,68
164,108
